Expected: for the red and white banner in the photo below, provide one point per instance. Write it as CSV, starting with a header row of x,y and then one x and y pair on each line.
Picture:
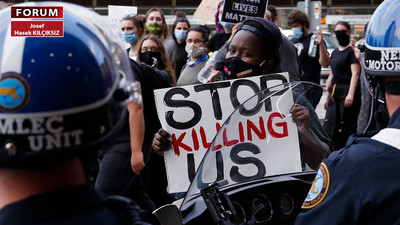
x,y
37,28
42,12
34,21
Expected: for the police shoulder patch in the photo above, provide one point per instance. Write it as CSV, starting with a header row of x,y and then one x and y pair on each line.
x,y
318,189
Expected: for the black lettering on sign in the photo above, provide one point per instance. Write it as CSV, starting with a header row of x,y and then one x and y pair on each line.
x,y
234,97
216,102
219,160
264,85
191,166
169,115
234,154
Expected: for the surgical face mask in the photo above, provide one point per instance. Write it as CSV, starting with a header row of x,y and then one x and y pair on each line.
x,y
226,25
129,37
194,50
342,37
147,57
154,28
180,35
297,32
235,67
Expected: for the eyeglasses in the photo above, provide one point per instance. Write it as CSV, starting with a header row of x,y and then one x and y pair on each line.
x,y
196,41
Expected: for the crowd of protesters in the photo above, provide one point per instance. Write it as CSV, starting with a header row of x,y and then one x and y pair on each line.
x,y
180,53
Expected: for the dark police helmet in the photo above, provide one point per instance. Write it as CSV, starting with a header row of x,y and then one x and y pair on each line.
x,y
57,94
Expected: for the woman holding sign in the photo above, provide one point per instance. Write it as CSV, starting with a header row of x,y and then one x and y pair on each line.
x,y
253,51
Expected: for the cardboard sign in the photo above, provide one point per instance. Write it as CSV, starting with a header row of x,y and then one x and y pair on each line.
x,y
238,10
206,11
193,114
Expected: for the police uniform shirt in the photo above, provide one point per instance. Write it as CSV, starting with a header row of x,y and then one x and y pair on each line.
x,y
73,205
359,184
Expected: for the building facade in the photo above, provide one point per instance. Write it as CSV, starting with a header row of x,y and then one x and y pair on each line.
x,y
356,12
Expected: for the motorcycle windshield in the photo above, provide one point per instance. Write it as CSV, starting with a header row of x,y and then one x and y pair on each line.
x,y
264,137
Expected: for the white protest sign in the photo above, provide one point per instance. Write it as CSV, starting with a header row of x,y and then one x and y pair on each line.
x,y
193,114
117,12
238,10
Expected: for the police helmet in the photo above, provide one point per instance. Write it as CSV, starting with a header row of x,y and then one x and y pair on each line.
x,y
382,41
57,94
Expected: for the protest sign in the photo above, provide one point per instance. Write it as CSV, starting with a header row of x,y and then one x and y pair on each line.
x,y
117,12
193,114
206,10
238,10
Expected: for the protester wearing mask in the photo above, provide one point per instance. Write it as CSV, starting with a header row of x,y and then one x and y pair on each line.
x,y
132,30
155,24
344,99
360,183
224,30
180,28
309,65
156,73
152,52
196,48
253,51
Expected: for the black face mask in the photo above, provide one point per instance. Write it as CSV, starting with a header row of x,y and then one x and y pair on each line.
x,y
342,37
235,68
149,56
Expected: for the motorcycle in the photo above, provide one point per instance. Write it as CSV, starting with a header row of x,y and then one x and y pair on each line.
x,y
252,172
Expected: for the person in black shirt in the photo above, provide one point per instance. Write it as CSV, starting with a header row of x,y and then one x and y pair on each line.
x,y
344,99
309,65
180,29
359,184
224,30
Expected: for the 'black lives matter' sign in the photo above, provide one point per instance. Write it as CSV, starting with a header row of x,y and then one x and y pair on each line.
x,y
238,10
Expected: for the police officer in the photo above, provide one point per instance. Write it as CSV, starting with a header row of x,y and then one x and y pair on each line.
x,y
61,98
360,184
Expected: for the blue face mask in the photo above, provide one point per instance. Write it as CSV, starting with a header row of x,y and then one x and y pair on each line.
x,y
297,32
129,37
226,25
180,35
